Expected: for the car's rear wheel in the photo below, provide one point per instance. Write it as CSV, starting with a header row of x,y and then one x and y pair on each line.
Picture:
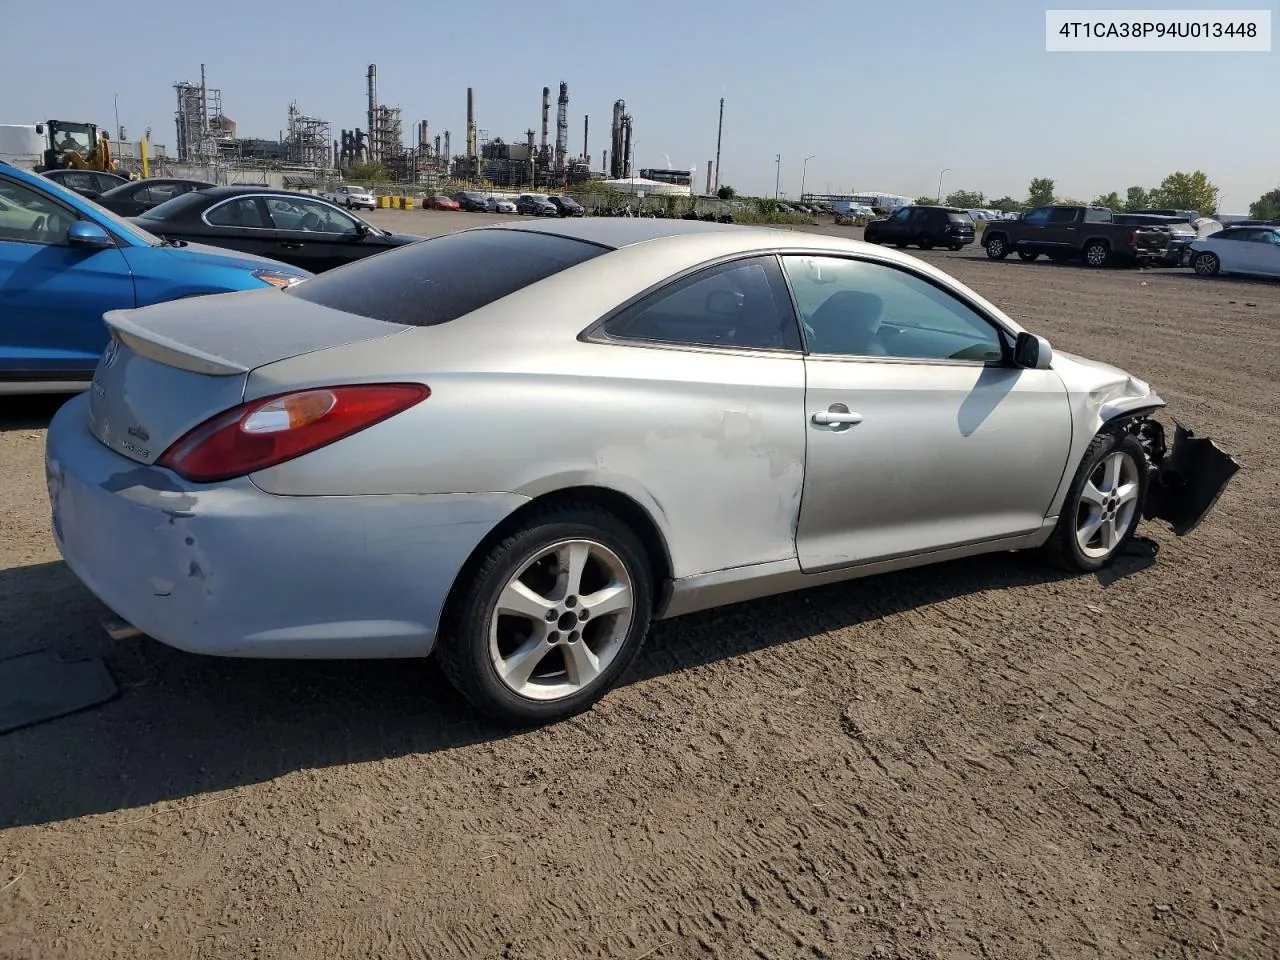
x,y
1096,253
1206,264
1028,255
997,248
1103,504
552,616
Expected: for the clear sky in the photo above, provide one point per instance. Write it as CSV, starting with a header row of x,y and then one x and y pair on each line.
x,y
882,95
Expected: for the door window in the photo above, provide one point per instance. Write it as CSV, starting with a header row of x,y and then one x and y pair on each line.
x,y
853,308
240,212
901,215
311,216
1037,217
29,217
742,305
1060,215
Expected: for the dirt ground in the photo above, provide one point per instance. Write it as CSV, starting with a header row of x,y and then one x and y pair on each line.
x,y
985,759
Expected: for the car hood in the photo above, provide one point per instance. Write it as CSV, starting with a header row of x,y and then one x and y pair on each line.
x,y
204,254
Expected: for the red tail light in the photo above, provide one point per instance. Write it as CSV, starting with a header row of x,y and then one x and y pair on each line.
x,y
267,432
1133,240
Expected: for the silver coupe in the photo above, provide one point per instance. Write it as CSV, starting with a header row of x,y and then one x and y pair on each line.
x,y
516,446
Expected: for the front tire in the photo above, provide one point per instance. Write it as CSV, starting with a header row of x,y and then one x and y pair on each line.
x,y
997,248
1206,264
552,616
1103,504
924,242
1027,255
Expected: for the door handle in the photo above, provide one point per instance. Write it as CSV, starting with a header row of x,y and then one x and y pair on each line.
x,y
290,246
827,417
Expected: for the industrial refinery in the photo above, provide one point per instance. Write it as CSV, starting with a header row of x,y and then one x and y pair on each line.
x,y
309,149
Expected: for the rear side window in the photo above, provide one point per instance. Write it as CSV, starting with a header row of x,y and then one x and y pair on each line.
x,y
434,281
959,217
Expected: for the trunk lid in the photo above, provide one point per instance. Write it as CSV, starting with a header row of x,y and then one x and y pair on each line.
x,y
171,366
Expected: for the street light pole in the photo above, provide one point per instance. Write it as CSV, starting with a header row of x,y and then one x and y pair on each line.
x,y
803,171
777,180
947,170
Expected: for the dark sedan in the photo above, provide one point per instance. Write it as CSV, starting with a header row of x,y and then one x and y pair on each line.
x,y
138,196
87,183
294,228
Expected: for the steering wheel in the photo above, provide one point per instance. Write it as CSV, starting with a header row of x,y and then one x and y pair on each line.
x,y
311,221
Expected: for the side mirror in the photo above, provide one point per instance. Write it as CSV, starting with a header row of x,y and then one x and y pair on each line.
x,y
362,229
1032,352
85,233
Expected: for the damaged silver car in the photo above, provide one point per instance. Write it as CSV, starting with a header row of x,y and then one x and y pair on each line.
x,y
516,446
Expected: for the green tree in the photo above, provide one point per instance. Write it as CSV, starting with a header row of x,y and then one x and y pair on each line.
x,y
1006,204
1137,198
1040,192
1188,191
926,202
367,171
966,199
726,192
1111,200
1267,206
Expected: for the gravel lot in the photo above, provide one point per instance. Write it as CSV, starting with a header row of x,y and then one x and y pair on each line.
x,y
985,759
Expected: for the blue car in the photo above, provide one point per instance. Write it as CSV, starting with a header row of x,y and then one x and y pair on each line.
x,y
65,261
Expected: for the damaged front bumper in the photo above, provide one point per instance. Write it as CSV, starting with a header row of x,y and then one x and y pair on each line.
x,y
1187,479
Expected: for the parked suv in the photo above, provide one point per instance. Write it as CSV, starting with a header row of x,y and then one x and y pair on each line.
x,y
925,227
471,202
536,205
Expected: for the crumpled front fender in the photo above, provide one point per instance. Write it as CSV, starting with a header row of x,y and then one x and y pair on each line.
x,y
1187,480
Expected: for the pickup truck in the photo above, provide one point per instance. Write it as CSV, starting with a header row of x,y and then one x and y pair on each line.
x,y
1064,232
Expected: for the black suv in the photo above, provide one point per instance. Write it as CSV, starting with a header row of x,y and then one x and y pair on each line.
x,y
568,207
925,227
471,201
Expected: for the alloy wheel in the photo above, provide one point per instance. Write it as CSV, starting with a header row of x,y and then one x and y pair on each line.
x,y
561,620
1107,504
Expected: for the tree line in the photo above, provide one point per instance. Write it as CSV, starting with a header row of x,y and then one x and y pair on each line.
x,y
1178,191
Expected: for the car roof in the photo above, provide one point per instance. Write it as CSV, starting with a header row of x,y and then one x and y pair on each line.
x,y
619,232
240,190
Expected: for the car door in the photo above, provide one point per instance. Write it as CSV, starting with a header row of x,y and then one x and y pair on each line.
x,y
1253,251
1062,227
897,228
1033,229
921,435
53,294
316,235
238,223
1268,256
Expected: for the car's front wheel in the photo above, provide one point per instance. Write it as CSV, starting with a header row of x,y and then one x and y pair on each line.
x,y
551,617
997,248
1103,505
1206,264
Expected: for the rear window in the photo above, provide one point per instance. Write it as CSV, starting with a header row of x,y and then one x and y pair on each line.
x,y
959,218
434,281
167,209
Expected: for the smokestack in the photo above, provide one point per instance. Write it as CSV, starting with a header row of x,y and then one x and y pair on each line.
x,y
562,129
708,178
471,125
586,125
448,154
546,114
373,113
604,162
719,134
615,143
626,147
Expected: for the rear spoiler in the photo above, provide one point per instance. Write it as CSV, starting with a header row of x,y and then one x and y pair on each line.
x,y
155,346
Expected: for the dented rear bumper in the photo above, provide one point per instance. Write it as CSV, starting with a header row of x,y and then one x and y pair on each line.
x,y
1187,479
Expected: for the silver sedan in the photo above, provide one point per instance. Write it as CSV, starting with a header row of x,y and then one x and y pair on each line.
x,y
516,446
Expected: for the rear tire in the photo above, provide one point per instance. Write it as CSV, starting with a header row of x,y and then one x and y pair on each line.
x,y
1103,505
1096,254
924,242
577,587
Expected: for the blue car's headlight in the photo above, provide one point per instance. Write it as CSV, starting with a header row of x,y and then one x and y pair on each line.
x,y
277,278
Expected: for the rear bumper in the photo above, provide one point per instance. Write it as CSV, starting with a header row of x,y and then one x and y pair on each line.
x,y
228,570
